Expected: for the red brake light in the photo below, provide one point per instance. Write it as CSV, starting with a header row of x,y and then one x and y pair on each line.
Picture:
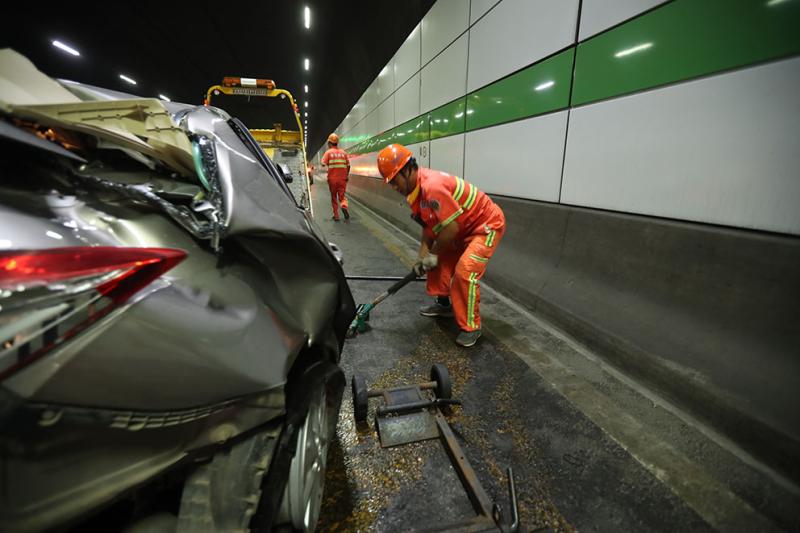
x,y
24,269
72,288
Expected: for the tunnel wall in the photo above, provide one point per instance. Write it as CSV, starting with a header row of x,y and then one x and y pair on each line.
x,y
648,174
707,315
601,104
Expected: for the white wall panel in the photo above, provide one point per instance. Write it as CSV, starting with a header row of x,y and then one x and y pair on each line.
x,y
521,159
446,20
406,60
346,125
385,81
420,152
517,33
359,131
447,154
478,8
406,100
598,15
444,78
370,97
386,114
357,111
721,150
370,124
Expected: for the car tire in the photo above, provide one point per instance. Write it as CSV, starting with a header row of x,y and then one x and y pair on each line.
x,y
222,494
302,496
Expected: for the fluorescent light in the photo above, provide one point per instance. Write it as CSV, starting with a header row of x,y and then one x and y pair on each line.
x,y
307,17
306,64
305,88
633,49
775,2
545,85
164,97
306,104
306,112
66,48
126,78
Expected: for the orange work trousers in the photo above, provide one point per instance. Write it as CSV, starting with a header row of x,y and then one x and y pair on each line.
x,y
460,270
337,188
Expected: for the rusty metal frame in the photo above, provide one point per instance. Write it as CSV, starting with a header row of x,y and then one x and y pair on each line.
x,y
488,515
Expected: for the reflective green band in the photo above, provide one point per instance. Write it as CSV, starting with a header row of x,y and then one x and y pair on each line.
x,y
489,239
459,189
473,193
473,283
337,166
479,258
334,161
438,227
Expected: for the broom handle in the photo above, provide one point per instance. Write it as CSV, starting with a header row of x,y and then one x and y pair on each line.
x,y
411,276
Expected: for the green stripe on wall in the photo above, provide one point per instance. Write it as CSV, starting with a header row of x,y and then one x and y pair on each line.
x,y
415,130
684,39
679,40
448,119
537,89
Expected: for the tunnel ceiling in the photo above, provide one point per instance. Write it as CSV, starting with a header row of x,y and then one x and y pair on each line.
x,y
180,48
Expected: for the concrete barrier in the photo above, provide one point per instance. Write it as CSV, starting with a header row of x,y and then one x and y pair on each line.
x,y
707,316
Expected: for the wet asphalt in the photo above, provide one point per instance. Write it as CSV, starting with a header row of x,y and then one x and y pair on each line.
x,y
573,471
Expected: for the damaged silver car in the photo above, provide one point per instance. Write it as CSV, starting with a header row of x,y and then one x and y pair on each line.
x,y
171,321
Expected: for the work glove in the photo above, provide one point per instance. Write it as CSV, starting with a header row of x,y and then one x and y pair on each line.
x,y
430,261
424,264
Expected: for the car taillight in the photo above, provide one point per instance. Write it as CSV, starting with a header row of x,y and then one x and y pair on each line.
x,y
49,296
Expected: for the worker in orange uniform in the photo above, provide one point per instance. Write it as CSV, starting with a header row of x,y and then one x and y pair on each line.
x,y
461,230
338,171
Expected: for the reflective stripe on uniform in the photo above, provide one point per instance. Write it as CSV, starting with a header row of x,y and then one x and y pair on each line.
x,y
479,258
473,193
489,239
438,227
459,189
473,284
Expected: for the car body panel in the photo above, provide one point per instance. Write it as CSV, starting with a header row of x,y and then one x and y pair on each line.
x,y
200,357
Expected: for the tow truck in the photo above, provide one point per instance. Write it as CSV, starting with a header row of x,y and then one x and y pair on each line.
x,y
283,145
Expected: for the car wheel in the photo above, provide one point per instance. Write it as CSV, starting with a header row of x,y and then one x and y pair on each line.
x,y
302,497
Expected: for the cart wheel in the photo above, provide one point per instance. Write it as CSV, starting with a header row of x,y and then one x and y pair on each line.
x,y
360,398
444,387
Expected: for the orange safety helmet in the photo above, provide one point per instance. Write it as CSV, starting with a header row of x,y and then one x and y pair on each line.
x,y
391,159
333,138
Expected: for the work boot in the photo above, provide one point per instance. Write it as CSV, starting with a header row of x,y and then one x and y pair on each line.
x,y
468,338
346,213
335,219
441,308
